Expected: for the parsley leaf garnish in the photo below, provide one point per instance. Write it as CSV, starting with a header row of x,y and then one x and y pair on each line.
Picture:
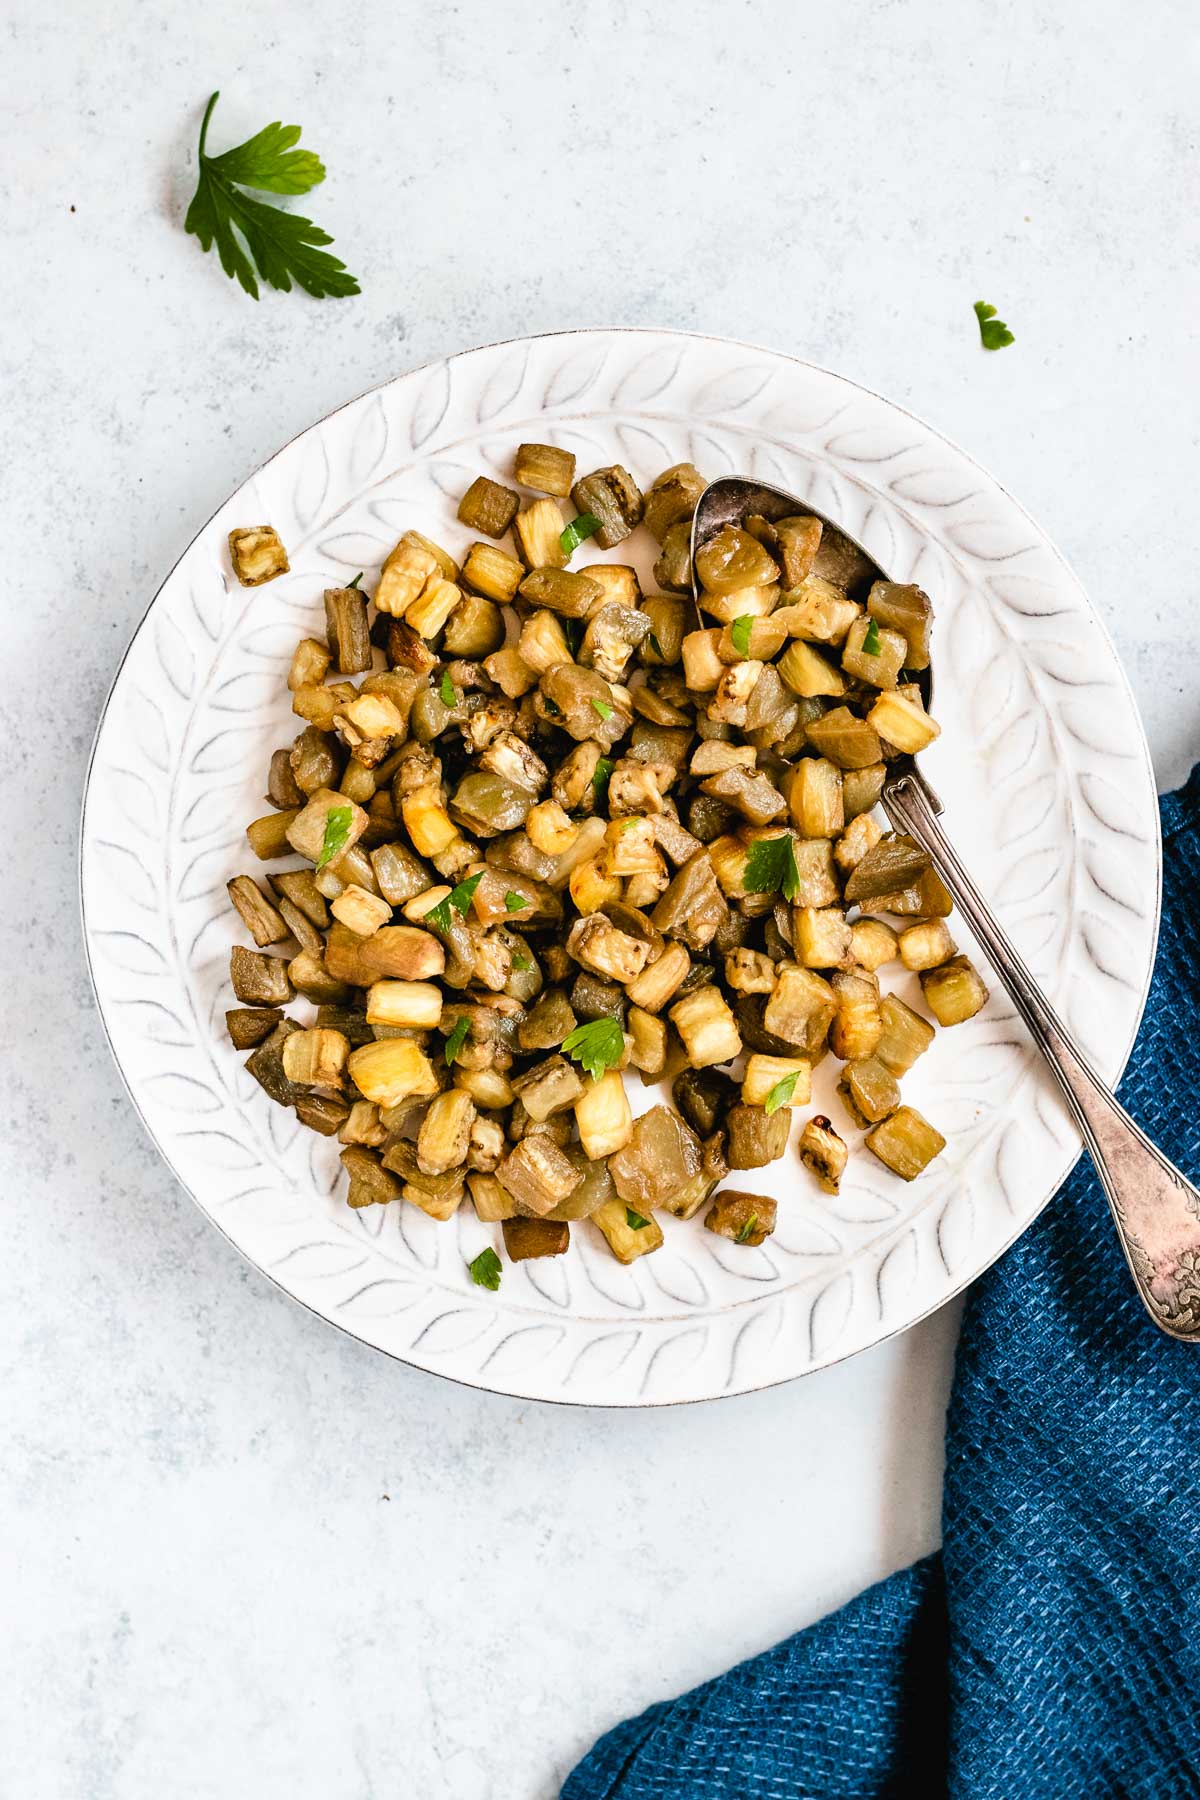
x,y
457,1039
459,898
486,1270
252,237
584,526
597,1046
770,865
870,644
634,1220
446,690
338,821
515,902
603,709
993,332
743,1236
521,962
600,777
739,633
356,580
782,1092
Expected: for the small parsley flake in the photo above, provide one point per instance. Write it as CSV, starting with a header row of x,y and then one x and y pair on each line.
x,y
457,1039
993,332
771,865
338,821
486,1270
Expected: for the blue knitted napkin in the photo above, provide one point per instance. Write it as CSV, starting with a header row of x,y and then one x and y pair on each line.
x,y
1049,1650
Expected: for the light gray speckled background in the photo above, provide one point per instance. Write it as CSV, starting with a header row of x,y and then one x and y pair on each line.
x,y
241,1554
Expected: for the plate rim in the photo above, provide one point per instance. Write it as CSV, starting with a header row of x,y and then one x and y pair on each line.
x,y
465,1379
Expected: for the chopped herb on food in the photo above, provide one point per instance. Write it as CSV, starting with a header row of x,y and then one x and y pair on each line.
x,y
600,777
457,1039
739,632
252,237
597,1046
634,1220
446,690
601,707
781,1093
486,1270
514,902
771,864
521,962
993,332
871,642
356,580
338,821
584,526
747,1230
459,898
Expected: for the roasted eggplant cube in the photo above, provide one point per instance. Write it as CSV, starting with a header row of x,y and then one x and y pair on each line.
x,y
249,1025
756,1137
906,1143
445,1134
824,1152
704,1097
603,1116
741,1217
266,1066
257,555
525,1239
550,1087
625,1239
891,864
612,496
671,498
488,507
953,993
538,1175
347,630
926,946
492,573
259,980
263,921
801,1009
544,468
662,1156
370,1183
869,1091
707,1027
857,1024
905,1036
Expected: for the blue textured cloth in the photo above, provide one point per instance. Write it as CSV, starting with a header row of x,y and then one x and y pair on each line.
x,y
1049,1651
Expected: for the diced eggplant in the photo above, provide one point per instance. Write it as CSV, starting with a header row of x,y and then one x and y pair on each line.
x,y
756,1137
662,1155
525,1239
824,1152
743,1218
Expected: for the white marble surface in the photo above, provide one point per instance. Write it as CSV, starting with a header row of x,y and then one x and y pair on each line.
x,y
240,1553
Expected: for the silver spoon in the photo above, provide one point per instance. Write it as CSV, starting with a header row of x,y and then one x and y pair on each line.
x,y
1157,1211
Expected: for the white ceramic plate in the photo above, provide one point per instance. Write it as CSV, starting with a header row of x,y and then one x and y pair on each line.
x,y
1042,766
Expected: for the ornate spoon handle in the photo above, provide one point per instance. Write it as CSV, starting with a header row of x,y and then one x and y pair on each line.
x,y
1157,1211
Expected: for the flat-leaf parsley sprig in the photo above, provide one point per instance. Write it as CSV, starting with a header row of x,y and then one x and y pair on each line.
x,y
252,237
993,332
